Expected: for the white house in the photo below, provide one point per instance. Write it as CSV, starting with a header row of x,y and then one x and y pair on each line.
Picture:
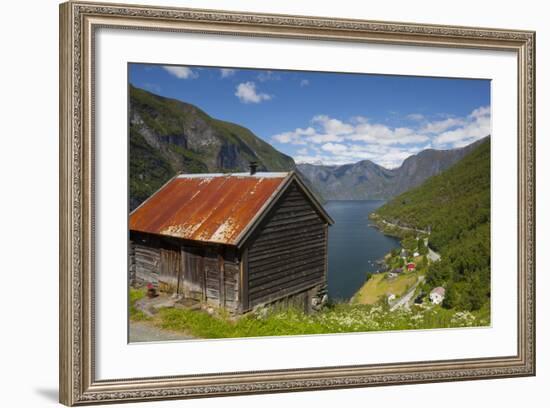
x,y
437,295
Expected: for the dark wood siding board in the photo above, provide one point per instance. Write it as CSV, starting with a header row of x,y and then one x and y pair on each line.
x,y
231,271
283,279
292,207
199,271
212,272
281,243
294,247
286,280
326,252
267,276
269,257
296,235
244,280
221,268
294,200
289,265
146,264
306,282
158,241
131,263
285,262
291,221
283,215
289,247
170,266
298,232
232,306
203,275
231,255
287,252
269,298
192,285
296,226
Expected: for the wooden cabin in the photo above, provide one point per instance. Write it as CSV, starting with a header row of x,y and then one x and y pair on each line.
x,y
236,241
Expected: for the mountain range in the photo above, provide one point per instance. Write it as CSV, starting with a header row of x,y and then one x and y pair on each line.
x,y
168,136
366,180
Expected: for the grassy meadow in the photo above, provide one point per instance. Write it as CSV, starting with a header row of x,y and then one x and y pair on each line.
x,y
335,318
379,286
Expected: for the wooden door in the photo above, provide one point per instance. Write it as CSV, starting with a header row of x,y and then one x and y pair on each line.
x,y
170,270
193,276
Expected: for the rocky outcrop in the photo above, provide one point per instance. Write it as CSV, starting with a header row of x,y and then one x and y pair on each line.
x,y
168,136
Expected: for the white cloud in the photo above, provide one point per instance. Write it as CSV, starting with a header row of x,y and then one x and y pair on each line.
x,y
227,72
325,129
334,141
268,76
295,136
332,126
382,134
181,72
334,147
359,119
325,137
316,159
442,125
304,82
246,92
415,116
481,111
475,127
338,154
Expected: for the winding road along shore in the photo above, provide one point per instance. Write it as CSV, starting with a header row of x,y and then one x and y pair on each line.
x,y
405,300
432,255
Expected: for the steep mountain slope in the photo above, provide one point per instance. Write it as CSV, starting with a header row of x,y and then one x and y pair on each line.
x,y
359,181
168,136
456,205
366,180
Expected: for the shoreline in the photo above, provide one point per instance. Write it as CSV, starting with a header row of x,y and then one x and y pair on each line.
x,y
381,277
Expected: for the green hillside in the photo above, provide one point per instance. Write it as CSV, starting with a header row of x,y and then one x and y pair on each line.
x,y
456,206
168,136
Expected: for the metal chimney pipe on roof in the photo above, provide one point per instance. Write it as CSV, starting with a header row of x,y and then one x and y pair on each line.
x,y
253,167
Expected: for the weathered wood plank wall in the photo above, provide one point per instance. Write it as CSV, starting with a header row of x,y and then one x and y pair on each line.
x,y
203,273
286,257
288,253
194,284
144,261
170,269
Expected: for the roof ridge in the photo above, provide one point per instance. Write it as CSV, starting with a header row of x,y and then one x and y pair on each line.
x,y
267,174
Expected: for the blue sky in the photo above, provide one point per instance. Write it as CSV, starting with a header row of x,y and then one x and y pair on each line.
x,y
332,118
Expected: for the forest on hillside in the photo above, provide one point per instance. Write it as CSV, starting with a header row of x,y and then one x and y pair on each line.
x,y
456,206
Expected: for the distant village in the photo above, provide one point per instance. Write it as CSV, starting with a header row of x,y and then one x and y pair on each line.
x,y
400,279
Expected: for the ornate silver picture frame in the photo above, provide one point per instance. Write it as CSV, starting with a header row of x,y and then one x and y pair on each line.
x,y
79,23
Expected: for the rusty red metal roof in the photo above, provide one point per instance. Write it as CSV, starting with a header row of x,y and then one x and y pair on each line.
x,y
214,208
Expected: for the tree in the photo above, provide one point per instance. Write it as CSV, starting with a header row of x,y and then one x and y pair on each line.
x,y
456,206
422,249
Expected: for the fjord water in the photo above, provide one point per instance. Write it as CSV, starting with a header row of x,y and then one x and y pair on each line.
x,y
353,246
